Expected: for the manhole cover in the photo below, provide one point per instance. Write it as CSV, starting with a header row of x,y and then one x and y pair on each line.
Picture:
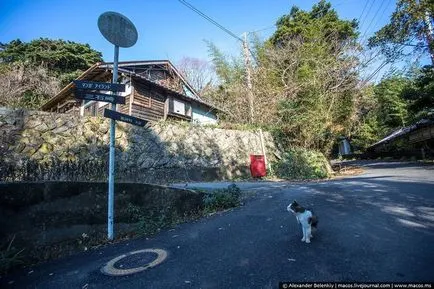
x,y
134,262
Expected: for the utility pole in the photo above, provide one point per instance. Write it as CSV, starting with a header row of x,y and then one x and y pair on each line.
x,y
248,77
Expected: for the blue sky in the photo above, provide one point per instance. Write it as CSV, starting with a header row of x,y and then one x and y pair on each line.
x,y
167,29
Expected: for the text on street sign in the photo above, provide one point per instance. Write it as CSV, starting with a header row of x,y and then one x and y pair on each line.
x,y
100,97
80,84
124,117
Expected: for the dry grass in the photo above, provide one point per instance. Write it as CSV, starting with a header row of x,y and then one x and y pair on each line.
x,y
342,170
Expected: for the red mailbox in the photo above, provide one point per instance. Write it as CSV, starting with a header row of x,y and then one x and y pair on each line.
x,y
257,166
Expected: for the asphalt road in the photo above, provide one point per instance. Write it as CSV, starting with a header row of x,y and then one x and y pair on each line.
x,y
378,226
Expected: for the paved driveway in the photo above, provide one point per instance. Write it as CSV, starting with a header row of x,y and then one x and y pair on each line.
x,y
378,226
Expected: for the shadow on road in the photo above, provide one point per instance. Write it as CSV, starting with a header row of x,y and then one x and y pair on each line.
x,y
380,164
407,204
372,228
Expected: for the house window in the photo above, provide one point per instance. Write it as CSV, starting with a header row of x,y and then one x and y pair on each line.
x,y
178,107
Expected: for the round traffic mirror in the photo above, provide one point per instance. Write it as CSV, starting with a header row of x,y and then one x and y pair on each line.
x,y
117,29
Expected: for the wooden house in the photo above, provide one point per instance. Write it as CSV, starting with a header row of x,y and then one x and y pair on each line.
x,y
413,140
155,90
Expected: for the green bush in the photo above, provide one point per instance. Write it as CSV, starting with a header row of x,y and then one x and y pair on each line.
x,y
302,164
222,199
151,222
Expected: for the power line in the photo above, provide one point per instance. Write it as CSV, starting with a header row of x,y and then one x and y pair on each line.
x,y
210,19
382,65
246,51
364,8
364,40
384,11
216,24
263,29
372,20
367,13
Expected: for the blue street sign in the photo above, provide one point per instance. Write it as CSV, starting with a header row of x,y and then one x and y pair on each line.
x,y
124,117
81,84
112,98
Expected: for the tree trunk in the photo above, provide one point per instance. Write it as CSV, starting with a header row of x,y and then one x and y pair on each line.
x,y
429,36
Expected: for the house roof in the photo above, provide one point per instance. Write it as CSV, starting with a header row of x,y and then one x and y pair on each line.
x,y
403,131
102,71
133,66
161,87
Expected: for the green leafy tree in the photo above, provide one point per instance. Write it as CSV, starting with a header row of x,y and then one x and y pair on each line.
x,y
420,95
66,59
409,27
367,127
229,91
384,109
33,72
319,23
392,107
395,102
305,82
319,76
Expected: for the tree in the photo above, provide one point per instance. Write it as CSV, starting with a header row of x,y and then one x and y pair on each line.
x,y
313,97
64,59
366,127
319,23
312,58
229,89
305,81
397,101
392,107
198,72
420,95
22,86
33,72
410,26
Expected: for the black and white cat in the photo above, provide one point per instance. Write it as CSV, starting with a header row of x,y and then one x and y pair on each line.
x,y
304,217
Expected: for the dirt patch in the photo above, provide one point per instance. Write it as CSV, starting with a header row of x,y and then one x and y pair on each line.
x,y
347,170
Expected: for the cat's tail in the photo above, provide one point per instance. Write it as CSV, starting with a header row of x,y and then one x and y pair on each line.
x,y
313,221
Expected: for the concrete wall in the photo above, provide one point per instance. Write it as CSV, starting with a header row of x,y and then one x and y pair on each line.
x,y
47,146
51,219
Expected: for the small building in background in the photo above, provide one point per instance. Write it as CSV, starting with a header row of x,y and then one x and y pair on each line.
x,y
155,90
344,146
416,140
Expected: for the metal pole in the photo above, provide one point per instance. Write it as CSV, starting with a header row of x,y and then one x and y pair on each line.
x,y
267,166
111,188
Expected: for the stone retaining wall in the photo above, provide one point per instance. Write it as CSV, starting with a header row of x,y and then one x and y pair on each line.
x,y
48,146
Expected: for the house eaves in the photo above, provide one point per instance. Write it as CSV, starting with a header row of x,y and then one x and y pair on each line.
x,y
403,132
168,90
155,62
104,69
67,89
